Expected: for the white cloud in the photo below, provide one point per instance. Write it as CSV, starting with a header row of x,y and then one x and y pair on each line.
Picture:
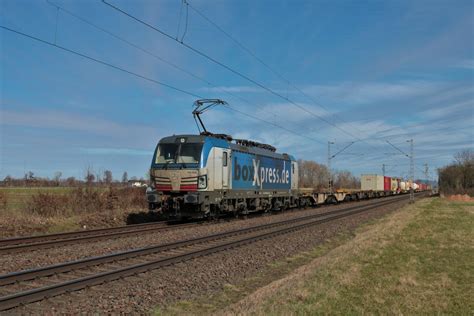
x,y
70,121
233,89
372,92
288,112
440,112
115,151
351,93
467,64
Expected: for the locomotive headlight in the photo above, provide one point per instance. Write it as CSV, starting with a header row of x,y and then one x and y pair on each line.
x,y
202,182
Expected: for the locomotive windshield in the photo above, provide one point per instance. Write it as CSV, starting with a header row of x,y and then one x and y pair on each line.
x,y
178,153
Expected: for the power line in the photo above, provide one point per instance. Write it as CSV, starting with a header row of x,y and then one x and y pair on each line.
x,y
175,66
238,43
271,123
404,153
275,72
417,132
144,77
228,68
169,63
238,73
100,61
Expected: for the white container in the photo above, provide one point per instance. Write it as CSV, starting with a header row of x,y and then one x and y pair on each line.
x,y
371,182
394,184
403,185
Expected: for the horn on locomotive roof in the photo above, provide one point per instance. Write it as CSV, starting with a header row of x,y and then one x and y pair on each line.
x,y
202,106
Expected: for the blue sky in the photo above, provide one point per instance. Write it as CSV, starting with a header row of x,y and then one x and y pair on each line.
x,y
375,70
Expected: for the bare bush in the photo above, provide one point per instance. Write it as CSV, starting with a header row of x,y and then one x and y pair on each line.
x,y
458,177
48,204
133,197
87,200
312,174
346,180
3,200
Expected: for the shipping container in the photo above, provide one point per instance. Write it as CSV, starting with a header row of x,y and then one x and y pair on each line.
x,y
404,186
387,183
394,184
372,182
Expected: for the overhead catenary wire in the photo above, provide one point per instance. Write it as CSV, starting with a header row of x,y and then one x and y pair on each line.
x,y
271,69
186,24
204,55
31,37
278,74
221,64
169,63
179,18
100,61
181,69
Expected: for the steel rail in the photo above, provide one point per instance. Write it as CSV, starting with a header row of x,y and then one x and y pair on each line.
x,y
77,237
18,244
93,261
27,239
33,295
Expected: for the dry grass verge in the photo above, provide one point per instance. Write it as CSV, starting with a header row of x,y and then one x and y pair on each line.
x,y
418,260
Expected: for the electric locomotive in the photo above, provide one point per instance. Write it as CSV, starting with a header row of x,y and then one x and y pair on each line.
x,y
207,175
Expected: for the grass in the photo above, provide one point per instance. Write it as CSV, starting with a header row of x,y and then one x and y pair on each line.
x,y
17,197
418,260
38,210
424,264
232,293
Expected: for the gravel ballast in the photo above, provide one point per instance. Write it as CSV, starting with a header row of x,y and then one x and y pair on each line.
x,y
187,280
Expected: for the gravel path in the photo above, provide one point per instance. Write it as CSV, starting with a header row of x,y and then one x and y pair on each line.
x,y
190,279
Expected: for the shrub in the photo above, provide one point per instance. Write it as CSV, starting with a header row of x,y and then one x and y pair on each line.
x,y
86,200
3,200
134,197
47,204
458,177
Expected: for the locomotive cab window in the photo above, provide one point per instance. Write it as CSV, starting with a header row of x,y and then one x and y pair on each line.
x,y
178,153
166,153
189,153
224,159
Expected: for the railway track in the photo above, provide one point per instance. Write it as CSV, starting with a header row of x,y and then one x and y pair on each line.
x,y
36,284
19,244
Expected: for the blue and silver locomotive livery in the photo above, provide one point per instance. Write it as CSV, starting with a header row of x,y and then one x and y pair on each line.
x,y
209,175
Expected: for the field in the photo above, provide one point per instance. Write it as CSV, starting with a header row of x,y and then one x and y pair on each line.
x,y
418,260
35,210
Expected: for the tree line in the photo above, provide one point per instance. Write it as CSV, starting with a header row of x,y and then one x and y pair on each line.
x,y
311,175
314,175
458,177
91,178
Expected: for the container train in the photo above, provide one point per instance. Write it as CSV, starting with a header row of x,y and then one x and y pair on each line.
x,y
208,175
374,182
